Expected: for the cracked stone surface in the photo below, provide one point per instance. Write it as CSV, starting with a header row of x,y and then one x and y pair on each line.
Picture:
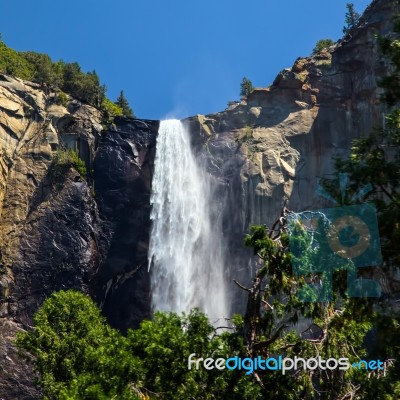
x,y
272,148
61,231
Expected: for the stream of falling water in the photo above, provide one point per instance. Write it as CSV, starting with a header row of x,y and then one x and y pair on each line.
x,y
186,252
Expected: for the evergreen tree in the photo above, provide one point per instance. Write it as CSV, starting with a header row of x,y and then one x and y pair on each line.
x,y
246,87
351,19
274,308
123,103
322,44
76,354
44,71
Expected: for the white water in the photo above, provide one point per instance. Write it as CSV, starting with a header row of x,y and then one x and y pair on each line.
x,y
185,254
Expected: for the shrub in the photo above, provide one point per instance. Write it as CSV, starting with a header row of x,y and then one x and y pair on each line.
x,y
62,99
69,158
322,44
76,354
111,109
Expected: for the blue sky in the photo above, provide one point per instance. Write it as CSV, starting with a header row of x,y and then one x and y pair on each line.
x,y
175,58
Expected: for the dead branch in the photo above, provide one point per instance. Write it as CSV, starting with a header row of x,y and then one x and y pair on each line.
x,y
241,286
272,339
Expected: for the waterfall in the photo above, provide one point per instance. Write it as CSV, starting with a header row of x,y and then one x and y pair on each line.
x,y
186,251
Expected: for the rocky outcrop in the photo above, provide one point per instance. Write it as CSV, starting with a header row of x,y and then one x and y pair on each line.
x,y
47,214
61,231
122,182
274,146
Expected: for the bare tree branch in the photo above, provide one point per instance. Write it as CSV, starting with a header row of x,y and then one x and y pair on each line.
x,y
241,286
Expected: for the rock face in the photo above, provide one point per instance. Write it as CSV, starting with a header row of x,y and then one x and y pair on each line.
x,y
273,147
59,230
122,182
55,232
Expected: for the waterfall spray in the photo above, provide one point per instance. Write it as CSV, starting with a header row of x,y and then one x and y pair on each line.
x,y
186,252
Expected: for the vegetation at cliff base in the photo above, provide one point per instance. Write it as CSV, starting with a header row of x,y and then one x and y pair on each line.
x,y
76,355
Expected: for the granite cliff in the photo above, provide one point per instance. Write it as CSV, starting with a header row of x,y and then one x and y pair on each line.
x,y
59,231
273,147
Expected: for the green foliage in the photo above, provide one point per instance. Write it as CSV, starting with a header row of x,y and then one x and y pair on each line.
x,y
351,19
322,44
13,63
123,104
111,109
246,134
83,86
246,87
76,354
63,78
165,344
391,83
67,159
44,70
66,77
62,99
343,322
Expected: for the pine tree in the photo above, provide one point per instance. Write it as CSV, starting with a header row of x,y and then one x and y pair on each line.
x,y
123,103
246,87
351,19
322,44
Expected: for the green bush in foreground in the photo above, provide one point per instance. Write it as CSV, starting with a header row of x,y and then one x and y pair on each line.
x,y
77,355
